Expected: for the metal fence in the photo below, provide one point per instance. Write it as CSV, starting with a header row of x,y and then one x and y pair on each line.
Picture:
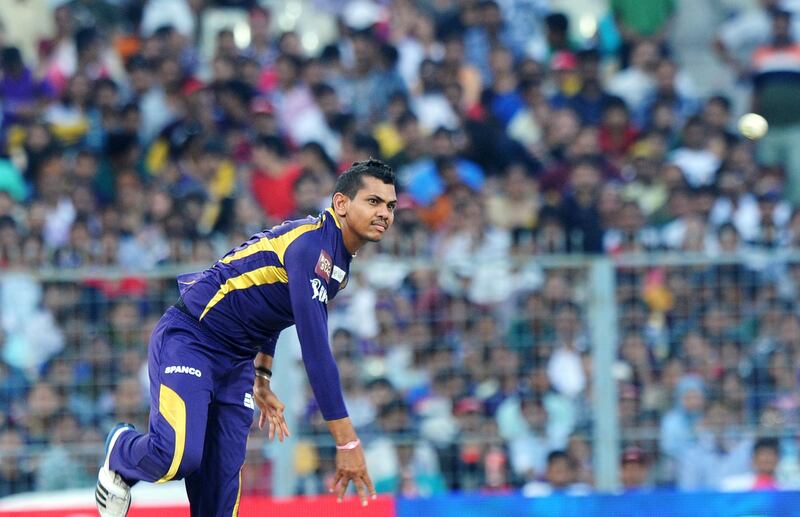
x,y
458,377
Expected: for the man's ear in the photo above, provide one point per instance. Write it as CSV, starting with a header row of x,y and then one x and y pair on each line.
x,y
340,204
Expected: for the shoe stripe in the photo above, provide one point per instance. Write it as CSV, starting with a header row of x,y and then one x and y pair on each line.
x,y
99,502
104,489
98,494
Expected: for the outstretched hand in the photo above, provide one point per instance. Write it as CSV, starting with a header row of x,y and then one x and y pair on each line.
x,y
350,465
271,410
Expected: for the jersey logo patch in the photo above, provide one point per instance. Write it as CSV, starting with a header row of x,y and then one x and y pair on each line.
x,y
324,266
183,369
338,273
320,292
248,400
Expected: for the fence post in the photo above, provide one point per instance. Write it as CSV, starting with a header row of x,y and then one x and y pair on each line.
x,y
287,382
603,334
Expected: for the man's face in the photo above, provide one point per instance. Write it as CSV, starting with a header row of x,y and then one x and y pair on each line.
x,y
633,474
559,473
781,28
765,461
371,212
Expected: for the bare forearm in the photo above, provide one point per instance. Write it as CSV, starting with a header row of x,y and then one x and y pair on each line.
x,y
342,430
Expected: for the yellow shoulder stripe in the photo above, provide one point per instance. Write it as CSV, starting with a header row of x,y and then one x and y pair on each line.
x,y
260,276
277,244
335,217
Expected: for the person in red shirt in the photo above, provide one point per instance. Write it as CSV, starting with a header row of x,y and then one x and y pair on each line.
x,y
273,178
616,132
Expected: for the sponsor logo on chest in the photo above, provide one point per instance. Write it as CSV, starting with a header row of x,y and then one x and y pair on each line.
x,y
324,266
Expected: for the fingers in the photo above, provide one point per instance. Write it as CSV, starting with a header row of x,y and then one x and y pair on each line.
x,y
275,426
361,489
340,485
362,482
271,433
262,419
370,487
280,424
285,428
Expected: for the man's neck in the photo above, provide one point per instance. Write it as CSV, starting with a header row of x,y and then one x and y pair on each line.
x,y
351,241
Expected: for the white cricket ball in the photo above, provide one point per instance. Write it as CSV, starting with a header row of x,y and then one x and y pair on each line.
x,y
753,126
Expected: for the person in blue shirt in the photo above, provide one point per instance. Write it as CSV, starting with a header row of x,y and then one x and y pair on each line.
x,y
210,355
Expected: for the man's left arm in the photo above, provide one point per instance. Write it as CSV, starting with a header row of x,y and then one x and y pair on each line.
x,y
308,290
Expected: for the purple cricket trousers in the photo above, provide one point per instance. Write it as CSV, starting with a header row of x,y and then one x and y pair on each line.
x,y
201,408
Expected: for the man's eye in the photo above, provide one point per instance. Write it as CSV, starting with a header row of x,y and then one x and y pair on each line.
x,y
373,201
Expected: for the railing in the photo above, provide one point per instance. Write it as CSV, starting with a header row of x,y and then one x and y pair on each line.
x,y
459,376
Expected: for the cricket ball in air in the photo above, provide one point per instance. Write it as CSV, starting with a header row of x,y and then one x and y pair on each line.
x,y
753,126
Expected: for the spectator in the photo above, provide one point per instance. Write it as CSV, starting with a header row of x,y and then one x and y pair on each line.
x,y
508,144
15,469
637,81
634,470
679,426
669,105
776,69
638,21
718,454
565,369
57,470
696,160
20,89
763,474
559,478
273,177
579,210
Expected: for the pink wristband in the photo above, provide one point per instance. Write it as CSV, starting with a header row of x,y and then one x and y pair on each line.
x,y
349,445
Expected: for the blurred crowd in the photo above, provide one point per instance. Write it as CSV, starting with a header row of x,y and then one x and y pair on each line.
x,y
133,137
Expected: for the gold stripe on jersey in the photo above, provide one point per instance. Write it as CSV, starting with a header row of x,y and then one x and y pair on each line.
x,y
260,276
335,217
276,244
172,407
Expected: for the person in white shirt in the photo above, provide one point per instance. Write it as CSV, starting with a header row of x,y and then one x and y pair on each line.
x,y
763,475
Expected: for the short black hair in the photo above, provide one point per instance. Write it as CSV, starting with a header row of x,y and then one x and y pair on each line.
x,y
351,180
330,53
322,89
614,102
721,100
557,22
767,443
85,37
557,455
272,143
366,143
